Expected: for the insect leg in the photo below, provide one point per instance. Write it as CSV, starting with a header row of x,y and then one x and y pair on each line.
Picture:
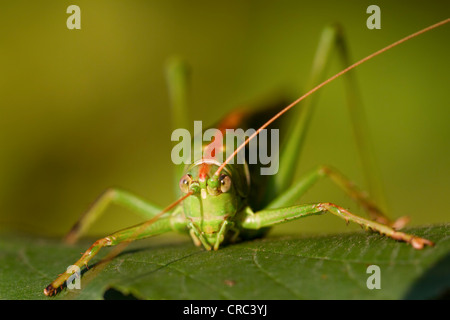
x,y
270,217
293,194
140,231
198,236
116,196
221,234
332,37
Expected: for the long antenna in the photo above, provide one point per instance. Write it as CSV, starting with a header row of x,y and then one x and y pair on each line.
x,y
337,75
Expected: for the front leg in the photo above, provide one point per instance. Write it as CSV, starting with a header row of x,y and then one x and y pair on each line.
x,y
154,226
270,217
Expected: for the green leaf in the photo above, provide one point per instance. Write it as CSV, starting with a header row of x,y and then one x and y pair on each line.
x,y
319,267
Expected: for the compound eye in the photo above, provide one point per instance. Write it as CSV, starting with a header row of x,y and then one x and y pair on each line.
x,y
185,183
225,183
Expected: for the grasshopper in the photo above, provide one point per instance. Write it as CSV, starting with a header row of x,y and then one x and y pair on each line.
x,y
221,202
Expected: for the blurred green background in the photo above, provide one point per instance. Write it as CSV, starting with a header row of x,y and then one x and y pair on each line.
x,y
84,110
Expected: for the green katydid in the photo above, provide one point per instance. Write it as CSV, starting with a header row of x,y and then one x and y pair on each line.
x,y
221,202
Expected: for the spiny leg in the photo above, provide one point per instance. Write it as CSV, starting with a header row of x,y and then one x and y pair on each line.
x,y
221,235
332,37
293,194
140,231
270,217
116,196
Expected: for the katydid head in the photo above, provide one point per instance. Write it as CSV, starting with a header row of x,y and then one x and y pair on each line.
x,y
198,181
214,199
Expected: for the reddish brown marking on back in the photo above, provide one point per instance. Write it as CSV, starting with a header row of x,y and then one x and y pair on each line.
x,y
233,120
209,152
